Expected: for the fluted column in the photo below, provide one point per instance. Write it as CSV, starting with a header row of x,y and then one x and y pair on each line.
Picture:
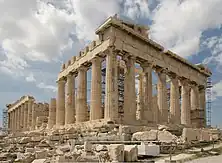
x,y
174,100
129,90
70,102
162,97
22,117
34,110
185,105
111,98
19,119
140,98
195,106
194,97
25,116
9,127
52,113
29,118
82,110
16,119
202,95
96,90
13,120
60,108
148,91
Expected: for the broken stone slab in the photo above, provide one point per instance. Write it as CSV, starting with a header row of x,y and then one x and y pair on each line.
x,y
39,161
65,148
130,153
116,152
100,148
166,136
145,136
24,140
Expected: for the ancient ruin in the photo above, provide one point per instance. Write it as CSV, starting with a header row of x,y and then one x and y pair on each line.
x,y
25,114
125,106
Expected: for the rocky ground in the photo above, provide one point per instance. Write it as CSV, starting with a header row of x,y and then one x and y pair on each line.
x,y
98,142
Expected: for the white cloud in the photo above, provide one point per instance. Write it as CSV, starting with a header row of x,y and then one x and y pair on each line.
x,y
136,8
214,44
30,78
34,31
178,25
217,90
47,87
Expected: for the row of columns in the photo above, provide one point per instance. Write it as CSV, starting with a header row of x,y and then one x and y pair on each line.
x,y
192,99
68,113
20,118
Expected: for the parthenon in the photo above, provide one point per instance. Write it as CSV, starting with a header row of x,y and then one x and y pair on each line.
x,y
129,44
121,47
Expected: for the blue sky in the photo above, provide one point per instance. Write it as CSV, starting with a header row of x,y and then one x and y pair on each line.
x,y
37,36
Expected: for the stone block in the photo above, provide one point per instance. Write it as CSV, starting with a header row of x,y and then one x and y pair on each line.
x,y
41,154
205,135
130,153
116,152
145,136
87,146
148,149
190,134
29,150
166,136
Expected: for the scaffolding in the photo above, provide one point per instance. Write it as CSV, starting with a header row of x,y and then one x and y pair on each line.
x,y
208,101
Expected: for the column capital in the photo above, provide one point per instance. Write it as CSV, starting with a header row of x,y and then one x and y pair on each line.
x,y
146,65
172,75
202,87
96,58
160,70
184,82
82,68
61,80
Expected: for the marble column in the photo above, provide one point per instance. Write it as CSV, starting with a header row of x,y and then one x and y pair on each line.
x,y
174,100
22,117
25,122
162,97
34,110
194,97
195,107
13,120
129,90
52,113
96,90
148,91
29,118
202,95
70,100
82,109
185,105
140,99
9,122
19,118
60,105
111,98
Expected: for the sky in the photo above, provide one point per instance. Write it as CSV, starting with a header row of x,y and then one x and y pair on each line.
x,y
37,36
